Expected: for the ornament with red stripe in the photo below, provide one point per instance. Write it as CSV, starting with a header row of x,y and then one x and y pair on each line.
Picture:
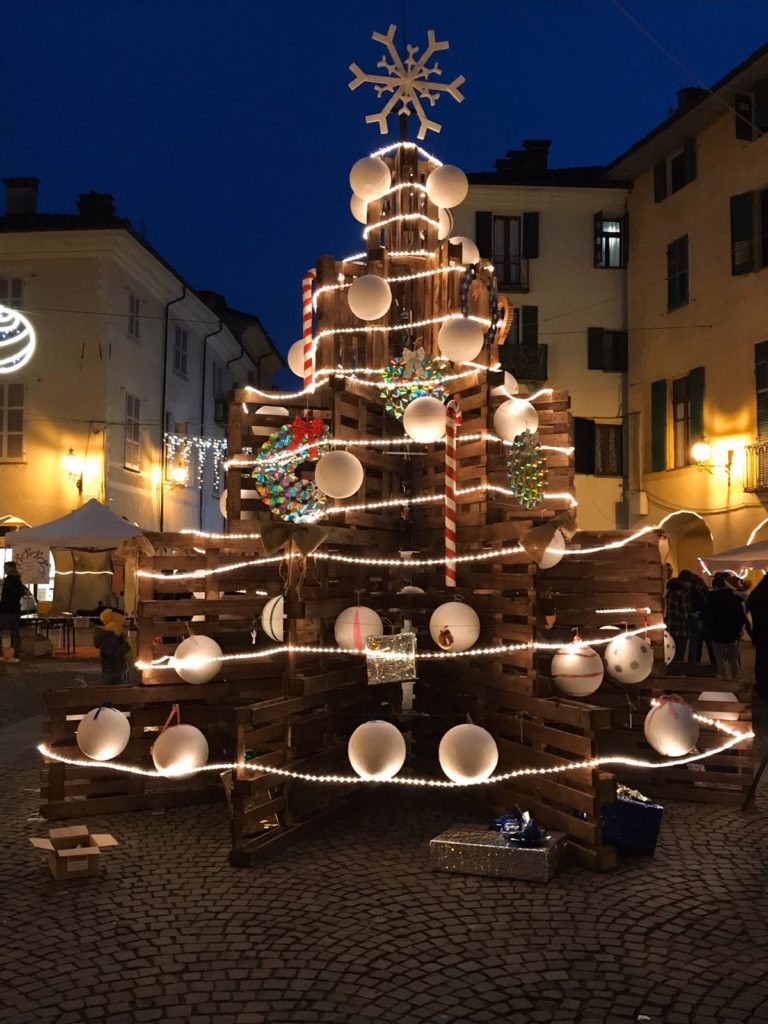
x,y
577,669
306,332
453,421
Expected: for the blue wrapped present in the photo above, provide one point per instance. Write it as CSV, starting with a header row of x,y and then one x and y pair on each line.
x,y
632,822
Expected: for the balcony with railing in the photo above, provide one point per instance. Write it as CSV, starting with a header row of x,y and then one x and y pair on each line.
x,y
756,467
524,362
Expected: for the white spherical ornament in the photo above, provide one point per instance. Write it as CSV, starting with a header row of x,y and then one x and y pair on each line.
x,y
195,659
670,728
103,733
577,670
250,495
354,625
447,186
409,589
376,751
468,753
18,340
370,178
509,387
461,339
273,618
513,417
272,410
725,698
339,474
669,648
359,208
296,358
424,419
180,751
629,659
554,553
469,251
454,626
445,220
369,297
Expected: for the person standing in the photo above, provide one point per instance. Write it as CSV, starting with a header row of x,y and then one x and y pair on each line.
x,y
678,615
113,647
699,592
757,603
724,620
10,608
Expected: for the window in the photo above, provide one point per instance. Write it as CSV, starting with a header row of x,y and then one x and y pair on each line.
x,y
674,172
677,273
610,241
658,460
761,389
751,112
11,292
132,456
509,242
749,232
607,350
598,447
12,422
134,316
180,352
687,414
524,329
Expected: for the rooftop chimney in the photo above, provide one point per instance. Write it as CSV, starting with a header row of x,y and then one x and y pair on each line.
x,y
96,206
20,195
689,95
531,160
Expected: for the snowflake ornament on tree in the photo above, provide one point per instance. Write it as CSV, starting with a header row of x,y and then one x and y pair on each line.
x,y
408,80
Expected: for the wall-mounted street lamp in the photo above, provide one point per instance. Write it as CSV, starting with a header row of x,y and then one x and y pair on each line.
x,y
702,456
73,467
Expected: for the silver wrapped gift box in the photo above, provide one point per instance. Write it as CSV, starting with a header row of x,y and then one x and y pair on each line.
x,y
470,850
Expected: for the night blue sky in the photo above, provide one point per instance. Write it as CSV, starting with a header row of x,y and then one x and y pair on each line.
x,y
225,129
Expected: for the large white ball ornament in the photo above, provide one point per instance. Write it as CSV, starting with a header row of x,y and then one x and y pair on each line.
x,y
376,751
577,670
671,729
725,698
249,495
669,648
461,339
447,186
554,553
103,733
513,417
17,340
468,753
454,626
369,297
424,419
445,220
370,178
359,208
469,251
273,618
180,751
194,660
354,625
629,659
339,474
296,358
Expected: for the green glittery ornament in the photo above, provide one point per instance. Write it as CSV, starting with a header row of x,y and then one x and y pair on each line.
x,y
409,376
527,469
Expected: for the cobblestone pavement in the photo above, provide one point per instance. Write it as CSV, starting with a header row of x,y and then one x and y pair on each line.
x,y
22,686
350,926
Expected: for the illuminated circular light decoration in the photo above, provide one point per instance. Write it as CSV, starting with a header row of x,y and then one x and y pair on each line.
x,y
17,340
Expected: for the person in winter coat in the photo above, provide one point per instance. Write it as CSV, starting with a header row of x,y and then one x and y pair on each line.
x,y
757,603
699,593
724,620
10,608
110,640
678,615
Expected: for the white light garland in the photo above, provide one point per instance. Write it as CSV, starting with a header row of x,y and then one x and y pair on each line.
x,y
619,611
396,219
392,280
408,145
221,536
186,445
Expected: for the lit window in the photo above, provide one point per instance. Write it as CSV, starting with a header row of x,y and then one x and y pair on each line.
x,y
610,242
132,457
11,292
680,419
180,352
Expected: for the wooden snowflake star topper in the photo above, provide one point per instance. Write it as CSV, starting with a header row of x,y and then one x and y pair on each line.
x,y
408,81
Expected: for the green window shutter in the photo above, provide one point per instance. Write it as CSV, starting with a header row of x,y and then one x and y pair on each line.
x,y
484,233
761,246
658,426
760,92
696,404
584,444
660,181
595,349
530,236
742,234
761,389
529,326
689,160
742,104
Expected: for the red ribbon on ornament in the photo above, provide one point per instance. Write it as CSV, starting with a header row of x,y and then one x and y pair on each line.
x,y
307,432
671,698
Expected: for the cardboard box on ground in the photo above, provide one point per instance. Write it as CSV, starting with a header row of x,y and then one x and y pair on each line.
x,y
73,852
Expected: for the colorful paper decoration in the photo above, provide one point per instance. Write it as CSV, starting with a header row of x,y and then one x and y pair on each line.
x,y
399,662
412,375
277,484
527,469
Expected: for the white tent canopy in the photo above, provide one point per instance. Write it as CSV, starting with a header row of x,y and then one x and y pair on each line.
x,y
90,528
751,556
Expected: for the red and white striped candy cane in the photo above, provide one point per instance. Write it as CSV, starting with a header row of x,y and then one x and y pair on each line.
x,y
309,341
452,422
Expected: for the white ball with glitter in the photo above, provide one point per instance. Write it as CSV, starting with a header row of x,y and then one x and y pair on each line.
x,y
369,297
447,186
103,733
424,419
376,751
195,660
513,417
354,625
370,178
460,339
468,753
454,626
629,658
671,729
577,670
180,751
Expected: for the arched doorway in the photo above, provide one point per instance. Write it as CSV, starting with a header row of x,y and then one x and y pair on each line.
x,y
689,540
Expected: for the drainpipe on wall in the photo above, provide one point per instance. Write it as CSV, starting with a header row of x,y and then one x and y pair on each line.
x,y
164,401
211,334
625,439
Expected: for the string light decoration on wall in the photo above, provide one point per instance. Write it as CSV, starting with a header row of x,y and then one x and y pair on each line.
x,y
17,340
187,446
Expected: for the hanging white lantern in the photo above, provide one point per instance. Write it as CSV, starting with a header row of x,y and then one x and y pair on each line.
x,y
454,626
103,733
513,417
376,751
670,728
359,208
469,251
424,419
354,625
410,589
447,186
370,178
577,670
369,297
296,358
461,339
273,618
629,659
725,698
272,410
339,474
468,753
554,552
508,388
445,220
194,660
180,751
669,648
